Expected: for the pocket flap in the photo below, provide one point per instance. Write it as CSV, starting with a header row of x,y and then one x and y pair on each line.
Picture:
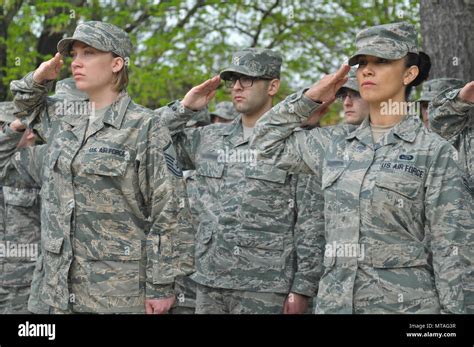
x,y
25,197
116,250
330,175
398,256
210,169
261,240
104,166
266,172
401,185
53,245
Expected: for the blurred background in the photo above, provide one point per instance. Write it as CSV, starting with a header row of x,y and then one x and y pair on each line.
x,y
178,44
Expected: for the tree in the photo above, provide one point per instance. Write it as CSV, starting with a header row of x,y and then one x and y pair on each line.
x,y
180,43
447,28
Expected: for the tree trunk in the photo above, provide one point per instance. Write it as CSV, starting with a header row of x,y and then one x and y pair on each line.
x,y
447,29
3,54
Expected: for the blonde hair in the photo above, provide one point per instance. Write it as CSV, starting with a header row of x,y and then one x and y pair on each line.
x,y
121,77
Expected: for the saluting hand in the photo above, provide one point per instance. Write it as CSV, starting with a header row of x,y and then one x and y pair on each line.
x,y
198,97
325,89
49,70
467,92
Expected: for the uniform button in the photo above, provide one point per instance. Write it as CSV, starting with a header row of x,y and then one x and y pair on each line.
x,y
291,203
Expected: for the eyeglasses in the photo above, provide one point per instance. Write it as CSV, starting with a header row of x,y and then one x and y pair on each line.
x,y
343,95
245,81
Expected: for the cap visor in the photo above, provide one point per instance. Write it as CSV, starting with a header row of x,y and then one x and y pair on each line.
x,y
376,52
225,74
65,45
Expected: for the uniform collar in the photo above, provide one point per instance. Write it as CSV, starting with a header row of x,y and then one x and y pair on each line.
x,y
405,130
113,116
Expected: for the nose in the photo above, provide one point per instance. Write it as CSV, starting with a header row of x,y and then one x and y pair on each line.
x,y
76,62
237,85
367,70
347,100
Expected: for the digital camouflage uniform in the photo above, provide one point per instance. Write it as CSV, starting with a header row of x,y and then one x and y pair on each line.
x,y
396,212
113,233
185,287
453,119
249,254
225,110
19,238
65,89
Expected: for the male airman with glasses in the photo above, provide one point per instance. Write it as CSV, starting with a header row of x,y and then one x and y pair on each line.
x,y
257,244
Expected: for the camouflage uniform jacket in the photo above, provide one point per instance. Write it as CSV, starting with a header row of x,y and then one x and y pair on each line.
x,y
453,119
246,235
395,212
20,235
109,204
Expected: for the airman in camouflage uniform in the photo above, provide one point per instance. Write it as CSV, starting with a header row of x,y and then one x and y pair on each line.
x,y
250,257
452,117
432,88
355,108
114,236
19,237
65,89
396,212
224,112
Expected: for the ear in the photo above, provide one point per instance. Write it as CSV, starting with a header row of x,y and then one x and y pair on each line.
x,y
273,87
410,74
117,64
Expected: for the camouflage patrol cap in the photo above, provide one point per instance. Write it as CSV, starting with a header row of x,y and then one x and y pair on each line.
x,y
66,88
100,35
254,62
434,87
201,118
226,110
6,111
389,41
351,83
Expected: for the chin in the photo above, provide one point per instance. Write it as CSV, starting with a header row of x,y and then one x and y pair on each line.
x,y
81,86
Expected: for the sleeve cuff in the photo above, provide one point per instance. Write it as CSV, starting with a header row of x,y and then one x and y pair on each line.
x,y
181,111
159,291
301,105
304,286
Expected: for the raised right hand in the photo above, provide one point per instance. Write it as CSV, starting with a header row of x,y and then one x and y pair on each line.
x,y
48,70
198,97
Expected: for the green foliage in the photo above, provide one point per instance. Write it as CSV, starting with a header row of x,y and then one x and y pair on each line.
x,y
179,44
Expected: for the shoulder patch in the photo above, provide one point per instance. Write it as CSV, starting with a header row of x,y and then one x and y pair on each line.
x,y
171,160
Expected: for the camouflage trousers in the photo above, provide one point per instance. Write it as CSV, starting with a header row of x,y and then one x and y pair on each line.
x,y
14,300
230,301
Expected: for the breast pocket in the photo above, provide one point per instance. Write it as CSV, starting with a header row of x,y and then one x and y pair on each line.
x,y
399,200
269,200
20,197
104,165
